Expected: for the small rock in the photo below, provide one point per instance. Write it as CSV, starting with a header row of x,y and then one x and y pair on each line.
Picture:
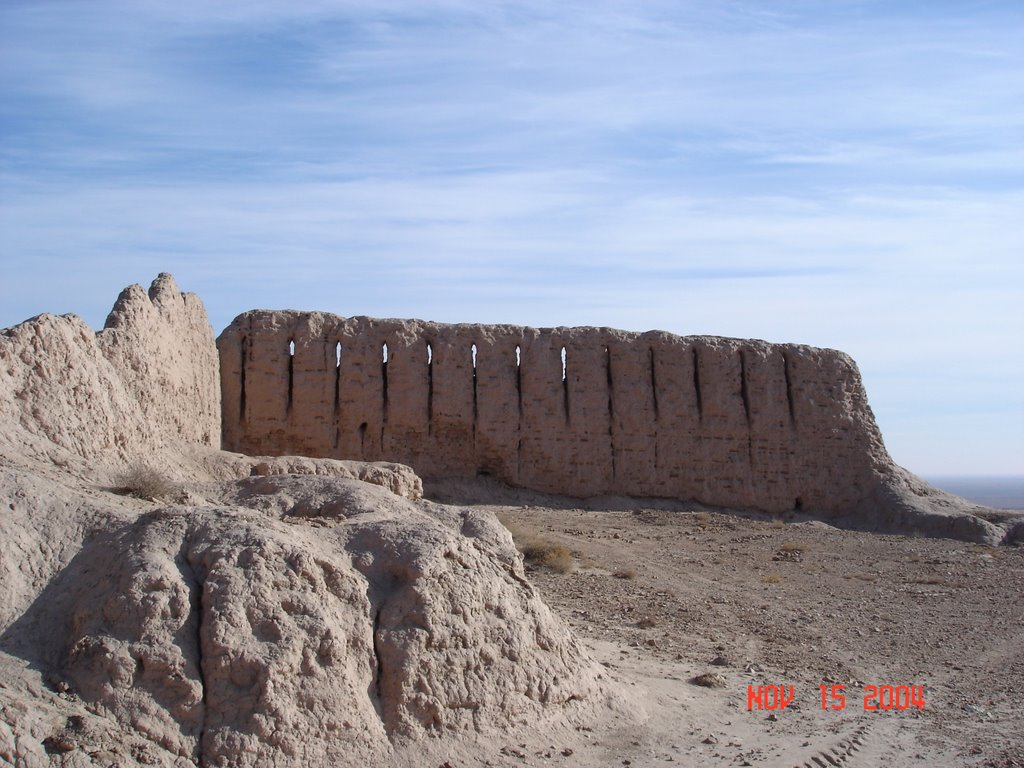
x,y
57,684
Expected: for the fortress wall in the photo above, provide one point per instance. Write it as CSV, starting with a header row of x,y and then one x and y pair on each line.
x,y
578,411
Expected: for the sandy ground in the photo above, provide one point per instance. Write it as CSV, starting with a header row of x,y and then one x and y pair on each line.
x,y
664,592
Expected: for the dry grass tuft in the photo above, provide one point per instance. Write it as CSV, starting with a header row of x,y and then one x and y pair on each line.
x,y
710,680
538,550
558,558
145,482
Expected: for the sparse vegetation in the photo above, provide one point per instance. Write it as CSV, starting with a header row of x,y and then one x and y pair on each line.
x,y
556,557
145,482
538,550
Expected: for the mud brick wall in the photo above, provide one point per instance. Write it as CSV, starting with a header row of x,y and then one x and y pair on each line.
x,y
575,411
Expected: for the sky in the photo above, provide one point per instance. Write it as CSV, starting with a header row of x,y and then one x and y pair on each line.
x,y
846,174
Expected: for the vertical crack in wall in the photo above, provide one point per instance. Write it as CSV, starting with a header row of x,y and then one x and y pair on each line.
x,y
611,406
565,382
291,374
789,388
384,393
430,389
654,396
241,380
696,384
744,393
654,381
472,352
519,382
337,395
519,417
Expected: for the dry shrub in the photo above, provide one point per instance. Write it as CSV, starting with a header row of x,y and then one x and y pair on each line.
x,y
558,558
710,680
538,550
145,482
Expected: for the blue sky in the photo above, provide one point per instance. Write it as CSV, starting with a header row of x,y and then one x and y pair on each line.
x,y
846,174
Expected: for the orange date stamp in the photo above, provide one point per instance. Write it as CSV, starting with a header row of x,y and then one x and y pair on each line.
x,y
875,698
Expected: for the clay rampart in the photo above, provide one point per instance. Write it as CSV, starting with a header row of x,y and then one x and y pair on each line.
x,y
576,411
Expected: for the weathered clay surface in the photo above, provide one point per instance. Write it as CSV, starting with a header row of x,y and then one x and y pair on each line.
x,y
306,616
722,421
147,380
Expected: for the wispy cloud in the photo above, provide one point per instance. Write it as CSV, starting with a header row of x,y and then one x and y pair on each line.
x,y
848,174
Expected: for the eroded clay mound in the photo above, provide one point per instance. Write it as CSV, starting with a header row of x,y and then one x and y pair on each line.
x,y
148,381
338,619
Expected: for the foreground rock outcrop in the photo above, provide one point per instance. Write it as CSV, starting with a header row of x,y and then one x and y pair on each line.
x,y
288,618
580,411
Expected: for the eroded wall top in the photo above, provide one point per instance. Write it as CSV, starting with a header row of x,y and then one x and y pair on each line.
x,y
148,379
